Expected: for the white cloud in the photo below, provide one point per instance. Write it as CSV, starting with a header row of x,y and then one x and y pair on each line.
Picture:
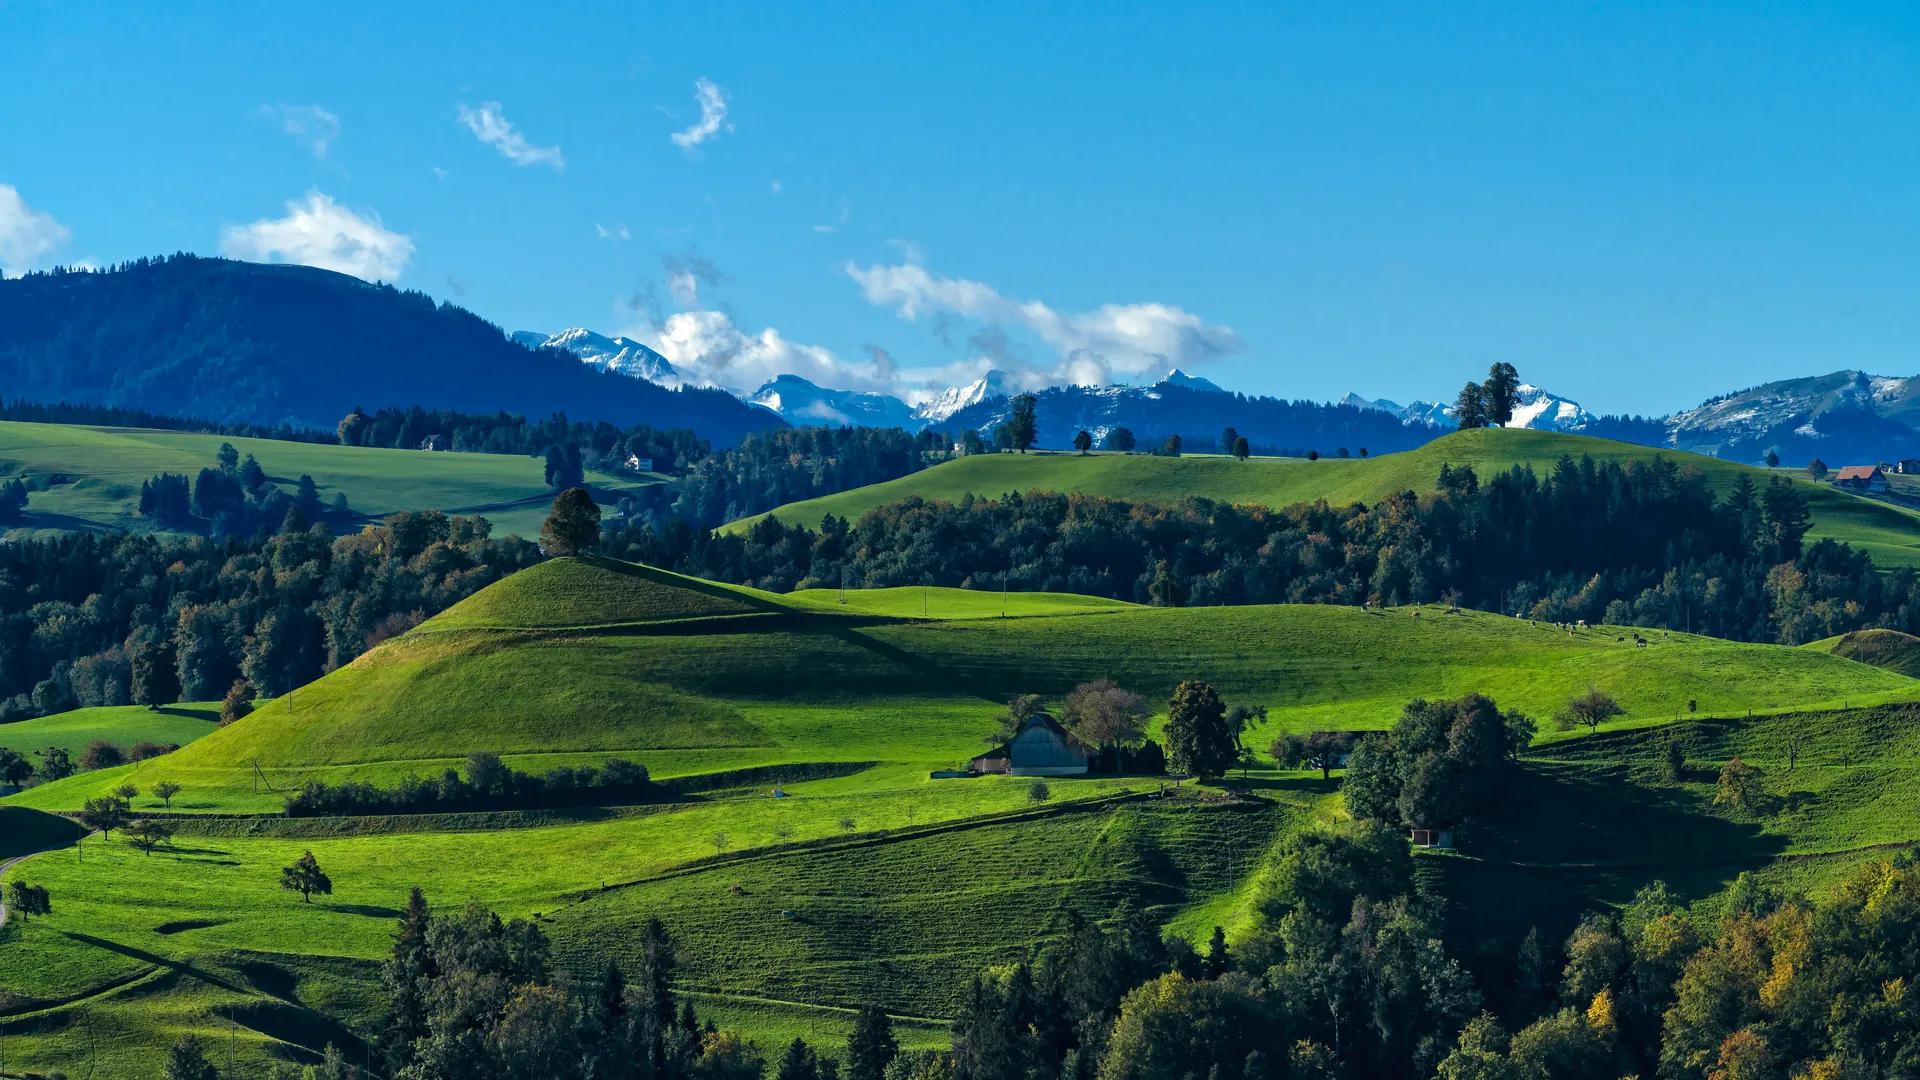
x,y
26,235
618,232
1124,340
713,116
491,127
320,232
776,186
310,125
709,350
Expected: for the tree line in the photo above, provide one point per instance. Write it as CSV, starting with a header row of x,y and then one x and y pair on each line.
x,y
116,619
1641,544
483,783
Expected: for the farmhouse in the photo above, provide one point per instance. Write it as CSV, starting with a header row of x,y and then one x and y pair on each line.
x,y
636,463
1040,748
1907,466
1433,838
1861,478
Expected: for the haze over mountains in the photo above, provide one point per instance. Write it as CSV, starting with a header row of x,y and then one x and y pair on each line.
x,y
229,341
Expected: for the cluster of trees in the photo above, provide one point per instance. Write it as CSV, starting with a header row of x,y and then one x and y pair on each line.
x,y
235,498
600,444
107,619
24,411
1489,403
1204,737
470,996
484,783
1345,973
771,468
57,764
1643,544
1441,763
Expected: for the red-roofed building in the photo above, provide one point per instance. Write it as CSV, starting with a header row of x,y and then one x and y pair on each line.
x,y
1861,478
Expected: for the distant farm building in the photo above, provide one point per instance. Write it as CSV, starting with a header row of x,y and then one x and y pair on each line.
x,y
1040,748
1907,466
636,463
1861,478
1433,838
434,442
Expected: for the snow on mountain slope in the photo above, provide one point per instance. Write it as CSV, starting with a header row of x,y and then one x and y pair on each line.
x,y
951,400
1177,377
1532,408
802,403
617,354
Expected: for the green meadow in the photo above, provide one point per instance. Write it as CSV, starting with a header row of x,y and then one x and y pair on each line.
x,y
122,725
1891,533
866,879
102,468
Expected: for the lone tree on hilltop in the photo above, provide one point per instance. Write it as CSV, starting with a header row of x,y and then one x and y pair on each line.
x,y
1470,408
1083,441
1817,469
1773,459
1023,428
1242,450
573,527
1589,710
1120,439
1500,390
306,878
1102,715
1200,741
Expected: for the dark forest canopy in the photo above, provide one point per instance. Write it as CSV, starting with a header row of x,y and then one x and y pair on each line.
x,y
1644,544
107,619
296,345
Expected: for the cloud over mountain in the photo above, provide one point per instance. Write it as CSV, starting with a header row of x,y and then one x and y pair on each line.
x,y
27,236
1113,341
320,232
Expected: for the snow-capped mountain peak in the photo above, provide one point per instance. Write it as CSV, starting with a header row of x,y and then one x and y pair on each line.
x,y
1176,377
618,354
954,398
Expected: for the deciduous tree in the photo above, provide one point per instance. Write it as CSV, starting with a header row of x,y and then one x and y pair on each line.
x,y
306,878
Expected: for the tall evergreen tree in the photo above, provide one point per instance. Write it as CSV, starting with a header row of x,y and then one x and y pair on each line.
x,y
872,1046
1499,392
573,528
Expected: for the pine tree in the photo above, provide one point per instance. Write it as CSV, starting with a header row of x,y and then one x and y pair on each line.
x,y
1218,961
1470,408
872,1046
800,1063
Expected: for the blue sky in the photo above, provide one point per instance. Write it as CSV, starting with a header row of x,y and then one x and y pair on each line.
x,y
1639,204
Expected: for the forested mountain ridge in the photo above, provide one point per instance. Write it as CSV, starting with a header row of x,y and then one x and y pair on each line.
x,y
235,341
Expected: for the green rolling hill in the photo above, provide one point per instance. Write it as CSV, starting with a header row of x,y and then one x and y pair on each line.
x,y
102,469
574,660
1890,532
870,880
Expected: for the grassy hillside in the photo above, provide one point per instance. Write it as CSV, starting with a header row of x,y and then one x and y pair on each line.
x,y
1892,533
122,725
574,661
1888,649
106,465
870,880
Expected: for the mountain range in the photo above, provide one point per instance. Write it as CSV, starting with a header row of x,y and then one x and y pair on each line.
x,y
224,340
